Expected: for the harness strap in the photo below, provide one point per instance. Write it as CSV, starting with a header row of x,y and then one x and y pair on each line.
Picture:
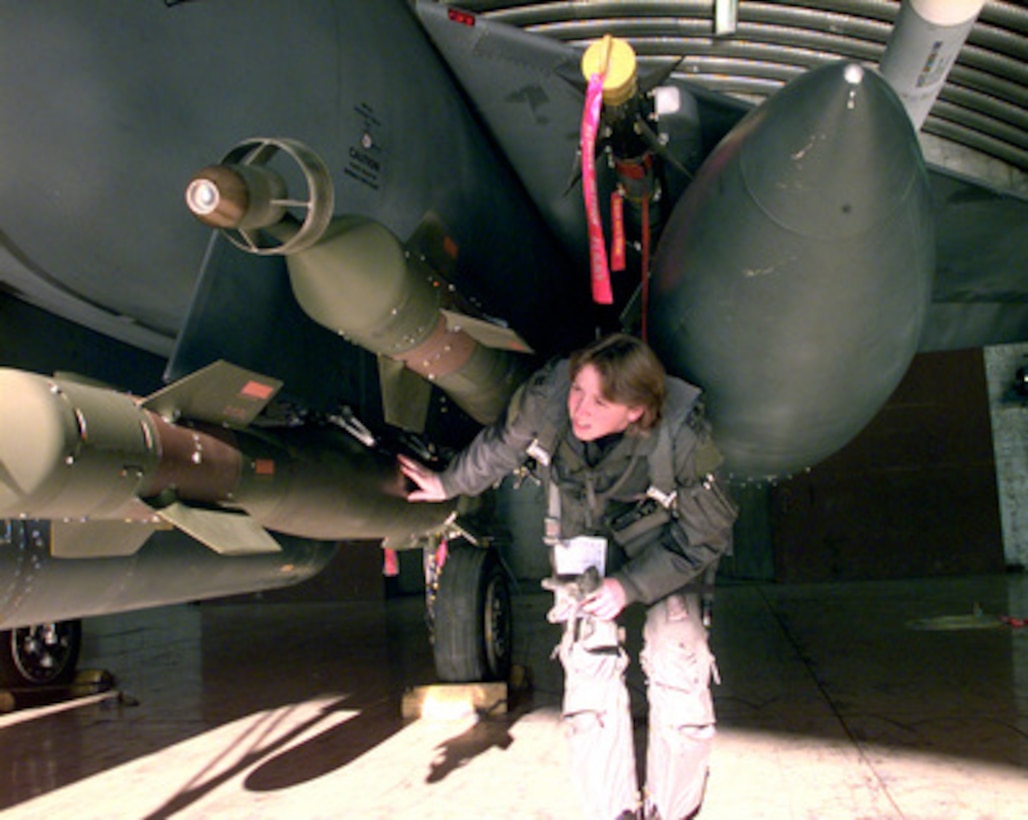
x,y
542,449
551,523
662,470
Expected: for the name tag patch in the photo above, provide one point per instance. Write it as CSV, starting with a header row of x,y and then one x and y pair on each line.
x,y
573,556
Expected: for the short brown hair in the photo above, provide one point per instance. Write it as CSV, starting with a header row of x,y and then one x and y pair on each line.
x,y
630,374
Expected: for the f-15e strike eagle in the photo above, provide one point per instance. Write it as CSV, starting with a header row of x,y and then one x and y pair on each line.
x,y
395,234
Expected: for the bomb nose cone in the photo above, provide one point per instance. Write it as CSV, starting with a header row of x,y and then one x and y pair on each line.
x,y
234,196
219,197
36,427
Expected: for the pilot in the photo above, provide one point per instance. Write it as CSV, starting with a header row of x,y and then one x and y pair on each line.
x,y
634,514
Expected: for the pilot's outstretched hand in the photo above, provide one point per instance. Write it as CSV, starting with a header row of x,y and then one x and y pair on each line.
x,y
430,488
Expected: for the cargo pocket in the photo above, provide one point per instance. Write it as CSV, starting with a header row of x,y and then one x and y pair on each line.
x,y
679,665
594,671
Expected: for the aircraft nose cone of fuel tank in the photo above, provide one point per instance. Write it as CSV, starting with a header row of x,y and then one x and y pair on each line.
x,y
852,160
807,240
35,429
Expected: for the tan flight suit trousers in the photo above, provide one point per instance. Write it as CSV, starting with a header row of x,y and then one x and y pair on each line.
x,y
679,668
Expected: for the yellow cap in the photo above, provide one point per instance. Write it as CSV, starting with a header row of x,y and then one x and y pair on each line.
x,y
619,57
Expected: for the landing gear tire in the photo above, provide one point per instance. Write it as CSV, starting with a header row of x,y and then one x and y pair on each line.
x,y
40,655
472,623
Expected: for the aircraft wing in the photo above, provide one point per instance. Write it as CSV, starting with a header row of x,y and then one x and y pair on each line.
x,y
529,91
980,290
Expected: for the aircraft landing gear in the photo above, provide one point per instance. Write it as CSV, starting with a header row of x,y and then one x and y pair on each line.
x,y
40,655
469,609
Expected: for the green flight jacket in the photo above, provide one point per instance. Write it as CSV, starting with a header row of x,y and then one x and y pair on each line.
x,y
671,548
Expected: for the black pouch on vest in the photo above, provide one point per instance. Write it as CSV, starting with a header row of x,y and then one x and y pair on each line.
x,y
706,511
631,529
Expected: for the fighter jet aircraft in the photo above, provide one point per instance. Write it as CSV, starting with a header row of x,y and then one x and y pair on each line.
x,y
394,231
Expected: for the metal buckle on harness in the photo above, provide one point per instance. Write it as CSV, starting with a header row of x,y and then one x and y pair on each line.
x,y
666,500
538,452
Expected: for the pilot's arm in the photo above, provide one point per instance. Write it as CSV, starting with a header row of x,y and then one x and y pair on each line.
x,y
496,451
681,550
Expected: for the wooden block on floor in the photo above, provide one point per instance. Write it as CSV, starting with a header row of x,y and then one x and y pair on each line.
x,y
453,701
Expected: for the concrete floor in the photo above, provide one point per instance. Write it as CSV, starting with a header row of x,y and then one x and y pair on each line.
x,y
837,701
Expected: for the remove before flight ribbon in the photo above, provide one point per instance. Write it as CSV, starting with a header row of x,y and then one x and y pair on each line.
x,y
600,273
